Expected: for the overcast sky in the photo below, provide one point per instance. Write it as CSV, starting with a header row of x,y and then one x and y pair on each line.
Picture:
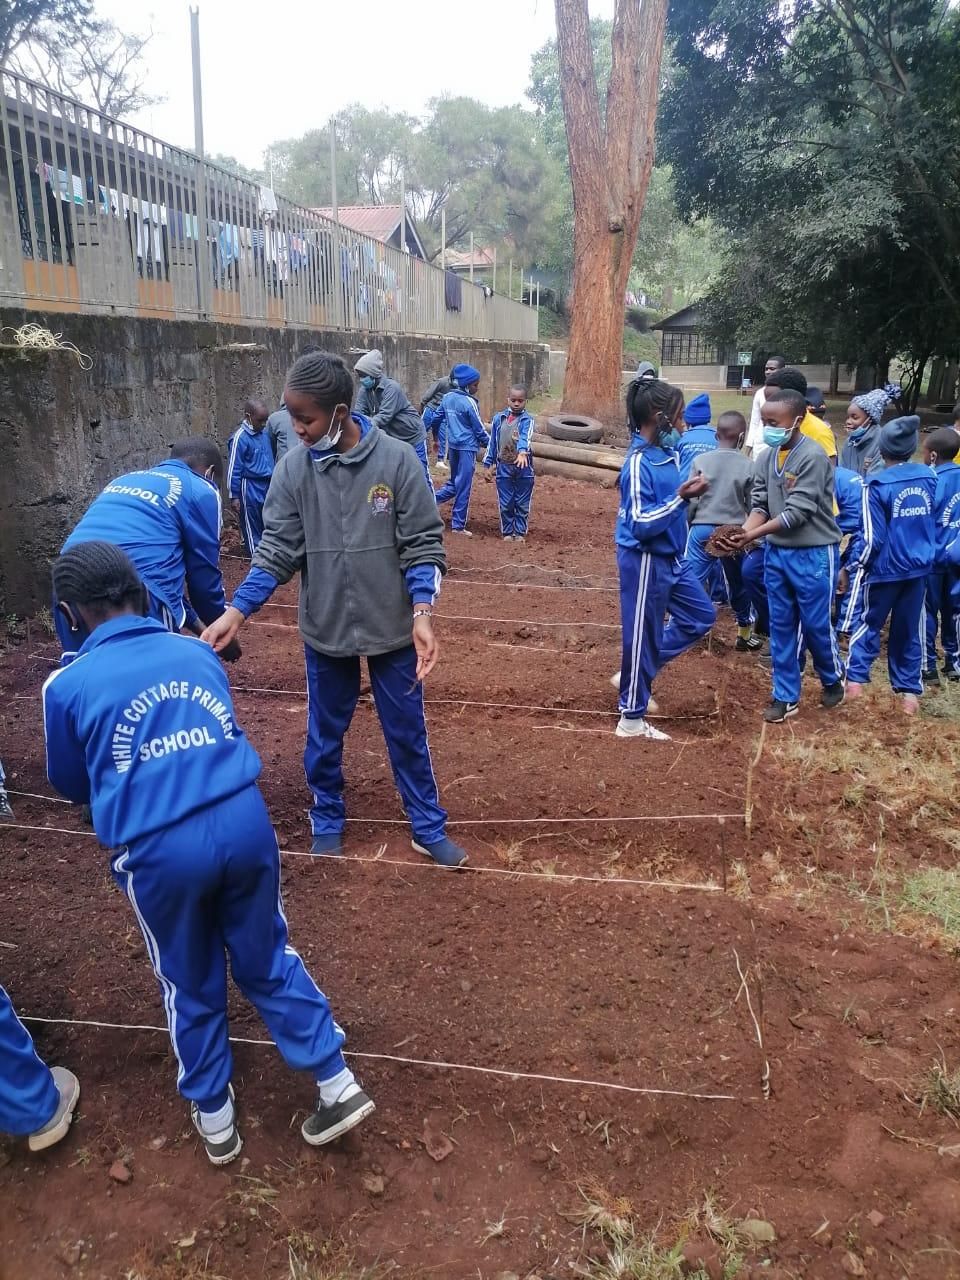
x,y
276,68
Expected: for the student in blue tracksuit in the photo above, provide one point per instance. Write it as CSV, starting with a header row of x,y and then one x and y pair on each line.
x,y
141,727
510,435
727,501
698,437
897,551
5,809
350,513
939,451
651,533
848,493
459,417
168,521
249,468
386,404
792,507
36,1101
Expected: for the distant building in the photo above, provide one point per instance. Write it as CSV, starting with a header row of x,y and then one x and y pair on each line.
x,y
380,221
482,261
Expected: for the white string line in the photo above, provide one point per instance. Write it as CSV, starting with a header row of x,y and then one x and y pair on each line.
x,y
416,1062
473,582
706,886
469,617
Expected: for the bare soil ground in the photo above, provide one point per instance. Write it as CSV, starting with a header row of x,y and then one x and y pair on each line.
x,y
591,969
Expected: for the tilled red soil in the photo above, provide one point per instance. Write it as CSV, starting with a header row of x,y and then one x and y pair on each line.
x,y
583,971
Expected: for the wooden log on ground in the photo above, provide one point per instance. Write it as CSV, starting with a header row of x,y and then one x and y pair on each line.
x,y
602,476
576,453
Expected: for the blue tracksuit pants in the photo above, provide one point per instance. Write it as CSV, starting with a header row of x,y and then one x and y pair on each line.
x,y
206,888
903,603
253,494
514,491
942,617
28,1096
438,429
458,487
800,583
650,587
850,604
333,688
420,449
751,571
705,565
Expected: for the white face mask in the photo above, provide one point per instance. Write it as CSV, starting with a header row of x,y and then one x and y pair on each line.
x,y
332,437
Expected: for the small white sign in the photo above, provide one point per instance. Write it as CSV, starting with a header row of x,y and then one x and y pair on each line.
x,y
744,357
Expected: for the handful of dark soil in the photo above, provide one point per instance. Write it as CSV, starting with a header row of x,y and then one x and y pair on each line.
x,y
719,544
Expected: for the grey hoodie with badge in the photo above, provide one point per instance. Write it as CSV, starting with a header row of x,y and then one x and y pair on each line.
x,y
351,524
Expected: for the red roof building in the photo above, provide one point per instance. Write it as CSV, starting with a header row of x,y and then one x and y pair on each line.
x,y
379,221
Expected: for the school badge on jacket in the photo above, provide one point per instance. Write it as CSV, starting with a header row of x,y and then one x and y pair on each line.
x,y
380,499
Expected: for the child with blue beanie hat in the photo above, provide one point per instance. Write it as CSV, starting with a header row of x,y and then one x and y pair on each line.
x,y
896,552
459,418
698,436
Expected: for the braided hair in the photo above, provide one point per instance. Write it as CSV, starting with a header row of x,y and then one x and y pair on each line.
x,y
99,576
649,397
324,377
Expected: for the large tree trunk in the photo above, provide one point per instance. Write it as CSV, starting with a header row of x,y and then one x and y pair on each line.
x,y
610,163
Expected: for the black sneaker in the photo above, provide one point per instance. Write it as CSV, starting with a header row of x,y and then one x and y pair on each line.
x,y
748,644
779,711
952,674
931,676
833,695
6,812
228,1147
324,1124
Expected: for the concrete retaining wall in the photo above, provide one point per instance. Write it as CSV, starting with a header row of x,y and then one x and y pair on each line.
x,y
66,432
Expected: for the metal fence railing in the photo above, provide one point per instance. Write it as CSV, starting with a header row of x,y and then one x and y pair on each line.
x,y
98,217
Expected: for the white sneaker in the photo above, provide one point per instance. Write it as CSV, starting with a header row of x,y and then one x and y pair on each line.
x,y
68,1087
465,532
615,680
637,727
441,465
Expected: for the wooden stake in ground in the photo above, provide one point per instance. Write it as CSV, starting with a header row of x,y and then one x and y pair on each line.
x,y
611,155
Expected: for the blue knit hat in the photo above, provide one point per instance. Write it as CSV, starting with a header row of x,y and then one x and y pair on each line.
x,y
697,412
899,437
465,375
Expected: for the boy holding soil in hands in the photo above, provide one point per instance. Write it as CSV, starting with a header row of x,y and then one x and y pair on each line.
x,y
349,511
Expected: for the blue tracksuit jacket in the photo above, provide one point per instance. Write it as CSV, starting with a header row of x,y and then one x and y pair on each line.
x,y
250,462
143,752
651,517
898,539
168,522
524,428
460,418
946,509
848,492
693,442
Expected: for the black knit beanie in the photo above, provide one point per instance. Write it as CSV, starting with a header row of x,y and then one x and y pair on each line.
x,y
96,573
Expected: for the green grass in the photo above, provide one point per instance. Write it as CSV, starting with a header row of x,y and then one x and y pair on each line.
x,y
935,893
939,1090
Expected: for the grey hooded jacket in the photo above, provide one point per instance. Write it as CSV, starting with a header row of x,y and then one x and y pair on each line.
x,y
387,407
351,524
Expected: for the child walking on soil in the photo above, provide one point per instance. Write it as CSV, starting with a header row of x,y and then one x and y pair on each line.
x,y
651,533
510,435
792,507
940,448
249,468
897,553
141,727
458,418
729,476
350,513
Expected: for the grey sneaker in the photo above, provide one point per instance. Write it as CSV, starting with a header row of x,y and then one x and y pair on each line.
x,y
224,1149
68,1086
324,1124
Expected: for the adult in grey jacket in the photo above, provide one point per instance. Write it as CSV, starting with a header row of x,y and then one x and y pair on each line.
x,y
350,513
283,438
385,403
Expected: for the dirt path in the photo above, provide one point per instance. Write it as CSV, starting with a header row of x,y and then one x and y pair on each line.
x,y
586,967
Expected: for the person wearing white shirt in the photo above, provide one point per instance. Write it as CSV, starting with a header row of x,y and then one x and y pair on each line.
x,y
754,444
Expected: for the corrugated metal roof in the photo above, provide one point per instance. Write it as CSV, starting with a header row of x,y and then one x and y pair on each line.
x,y
377,220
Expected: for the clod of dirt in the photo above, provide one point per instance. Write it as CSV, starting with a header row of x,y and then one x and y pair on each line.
x,y
852,1265
120,1173
157,1144
438,1145
876,1218
70,1253
373,1184
701,1254
760,1232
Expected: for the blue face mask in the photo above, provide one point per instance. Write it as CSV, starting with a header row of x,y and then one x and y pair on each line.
x,y
775,437
368,382
669,439
860,432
